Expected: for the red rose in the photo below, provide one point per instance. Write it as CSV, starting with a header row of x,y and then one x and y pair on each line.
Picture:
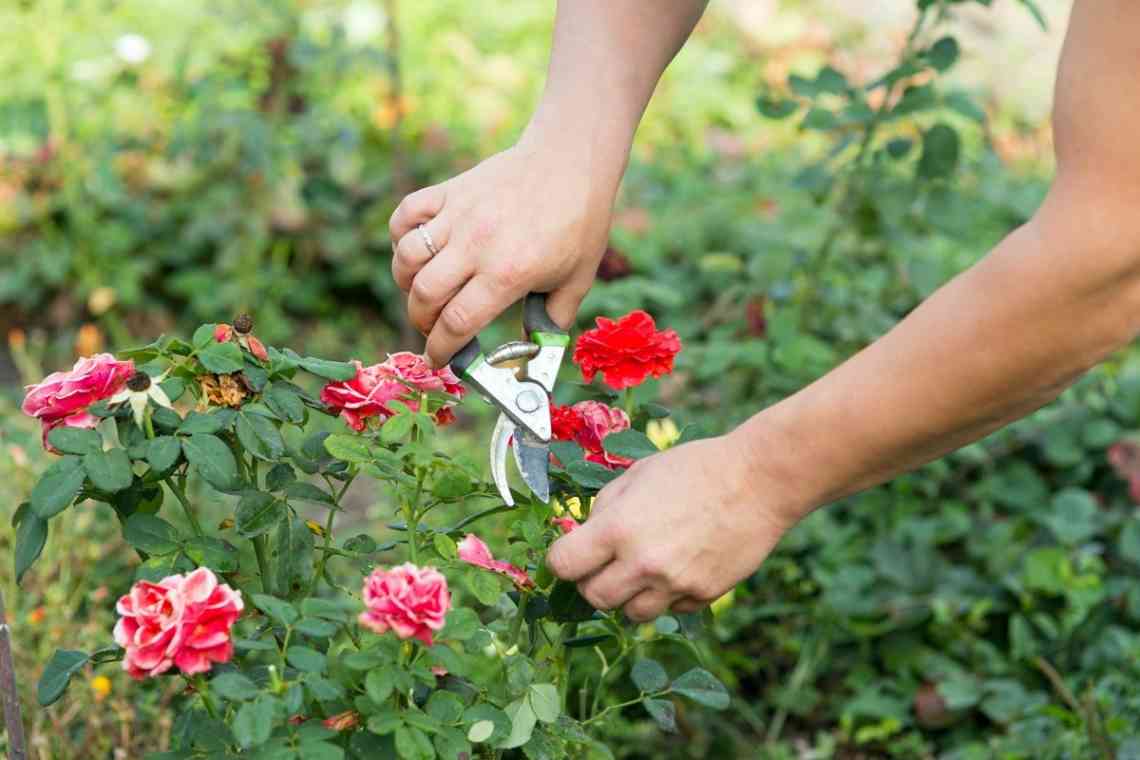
x,y
62,398
411,601
365,396
587,423
626,351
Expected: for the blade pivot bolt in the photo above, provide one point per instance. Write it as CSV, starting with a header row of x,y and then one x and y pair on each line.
x,y
528,401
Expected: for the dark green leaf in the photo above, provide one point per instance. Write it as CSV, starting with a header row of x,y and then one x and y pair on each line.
x,y
567,605
451,744
379,684
57,674
198,422
348,448
487,712
589,474
71,440
213,459
173,387
109,471
162,453
899,147
31,535
940,148
306,659
776,108
308,492
943,54
279,476
58,487
217,554
151,534
413,744
284,402
254,722
663,712
629,443
257,512
702,687
259,436
278,609
221,358
397,428
340,611
649,675
234,687
327,369
444,706
315,627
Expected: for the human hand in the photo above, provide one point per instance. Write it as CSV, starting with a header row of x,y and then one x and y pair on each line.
x,y
676,531
532,218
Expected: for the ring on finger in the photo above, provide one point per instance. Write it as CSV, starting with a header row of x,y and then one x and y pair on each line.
x,y
428,242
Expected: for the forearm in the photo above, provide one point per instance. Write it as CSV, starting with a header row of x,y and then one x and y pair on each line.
x,y
606,59
999,341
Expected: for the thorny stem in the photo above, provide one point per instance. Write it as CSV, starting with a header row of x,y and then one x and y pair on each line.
x,y
262,563
327,549
516,624
199,684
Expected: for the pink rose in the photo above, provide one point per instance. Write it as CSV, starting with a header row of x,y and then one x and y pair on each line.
x,y
364,396
62,398
473,551
1124,457
182,621
223,333
413,369
410,600
588,423
566,523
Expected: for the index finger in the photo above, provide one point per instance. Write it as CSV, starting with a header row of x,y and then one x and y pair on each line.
x,y
580,553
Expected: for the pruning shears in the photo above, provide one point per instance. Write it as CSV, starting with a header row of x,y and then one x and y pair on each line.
x,y
521,394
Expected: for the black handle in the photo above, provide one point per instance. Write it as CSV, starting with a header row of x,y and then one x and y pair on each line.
x,y
462,360
536,318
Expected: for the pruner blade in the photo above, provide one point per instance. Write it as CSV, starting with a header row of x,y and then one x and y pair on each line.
x,y
500,442
532,456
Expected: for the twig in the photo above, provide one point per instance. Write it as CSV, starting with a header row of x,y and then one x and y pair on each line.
x,y
17,747
1088,716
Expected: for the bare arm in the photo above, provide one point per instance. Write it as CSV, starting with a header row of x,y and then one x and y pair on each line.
x,y
1000,340
536,216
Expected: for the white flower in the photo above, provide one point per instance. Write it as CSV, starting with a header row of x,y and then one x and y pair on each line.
x,y
132,48
140,389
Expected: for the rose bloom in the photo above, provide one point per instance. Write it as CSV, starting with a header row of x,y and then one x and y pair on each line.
x,y
626,351
411,601
182,621
403,377
587,423
473,551
566,523
62,398
1124,457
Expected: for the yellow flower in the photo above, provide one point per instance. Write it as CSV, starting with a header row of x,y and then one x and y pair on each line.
x,y
226,524
101,686
315,528
663,433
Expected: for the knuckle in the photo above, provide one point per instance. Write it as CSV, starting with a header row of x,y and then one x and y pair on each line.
x,y
639,611
482,233
423,290
653,565
457,319
510,273
558,562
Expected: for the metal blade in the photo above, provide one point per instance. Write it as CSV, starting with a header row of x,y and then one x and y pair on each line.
x,y
533,459
500,441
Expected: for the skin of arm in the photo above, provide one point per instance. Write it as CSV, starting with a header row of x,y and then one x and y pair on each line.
x,y
536,217
1005,337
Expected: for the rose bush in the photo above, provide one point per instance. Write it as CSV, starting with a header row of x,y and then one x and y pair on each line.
x,y
295,642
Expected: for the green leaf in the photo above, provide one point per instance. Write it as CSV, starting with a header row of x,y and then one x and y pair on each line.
x,y
278,609
1129,545
199,422
109,471
649,675
545,702
485,587
899,147
943,54
58,487
444,546
308,492
221,358
259,436
348,448
663,712
254,722
313,749
326,368
702,687
444,706
379,684
162,453
384,722
776,108
397,428
629,443
460,624
1073,516
215,553
480,731
284,402
488,713
315,627
366,659
940,149
337,610
57,674
567,605
151,534
257,512
279,476
413,744
306,659
213,460
31,535
71,440
293,545
451,744
590,474
960,692
234,687
523,721
203,336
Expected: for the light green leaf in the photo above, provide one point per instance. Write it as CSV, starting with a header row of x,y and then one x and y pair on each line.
x,y
702,687
221,358
234,687
523,721
663,712
379,684
254,722
306,659
480,731
413,744
444,546
545,702
278,609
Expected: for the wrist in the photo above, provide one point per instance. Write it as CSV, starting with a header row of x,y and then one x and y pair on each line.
x,y
597,147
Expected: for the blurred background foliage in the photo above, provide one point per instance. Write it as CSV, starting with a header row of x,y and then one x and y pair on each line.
x,y
806,174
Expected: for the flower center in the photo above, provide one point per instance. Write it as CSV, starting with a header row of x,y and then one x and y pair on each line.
x,y
138,382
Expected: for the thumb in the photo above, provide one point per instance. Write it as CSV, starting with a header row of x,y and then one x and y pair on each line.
x,y
580,553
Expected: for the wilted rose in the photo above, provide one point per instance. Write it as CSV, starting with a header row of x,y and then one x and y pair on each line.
x,y
473,551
